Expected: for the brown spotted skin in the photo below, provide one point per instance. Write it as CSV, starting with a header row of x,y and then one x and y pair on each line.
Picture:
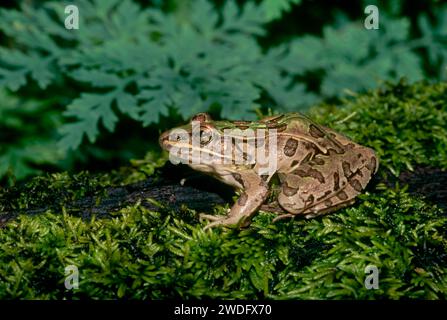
x,y
324,188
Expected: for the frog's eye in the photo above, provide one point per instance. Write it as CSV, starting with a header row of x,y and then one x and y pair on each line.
x,y
205,137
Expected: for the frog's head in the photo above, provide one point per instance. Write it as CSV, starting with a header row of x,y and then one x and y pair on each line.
x,y
198,142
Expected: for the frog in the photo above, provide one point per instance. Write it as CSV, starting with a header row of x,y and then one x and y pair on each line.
x,y
317,169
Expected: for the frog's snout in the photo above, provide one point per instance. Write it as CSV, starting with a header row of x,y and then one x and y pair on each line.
x,y
163,140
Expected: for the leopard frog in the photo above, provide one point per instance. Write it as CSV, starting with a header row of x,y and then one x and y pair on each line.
x,y
318,170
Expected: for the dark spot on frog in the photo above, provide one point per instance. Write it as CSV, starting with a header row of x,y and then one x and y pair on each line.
x,y
242,199
316,175
342,195
315,132
307,146
238,178
264,177
290,147
372,165
310,200
245,156
318,161
346,169
336,181
328,203
355,184
288,191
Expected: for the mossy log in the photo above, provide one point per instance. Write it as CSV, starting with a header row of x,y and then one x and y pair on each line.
x,y
197,192
202,193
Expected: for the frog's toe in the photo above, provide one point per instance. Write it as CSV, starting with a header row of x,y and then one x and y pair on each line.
x,y
209,217
218,223
227,222
283,216
212,225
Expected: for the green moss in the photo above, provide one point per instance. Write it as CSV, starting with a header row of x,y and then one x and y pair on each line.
x,y
141,254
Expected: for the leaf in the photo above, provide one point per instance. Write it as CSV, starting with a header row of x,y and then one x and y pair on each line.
x,y
127,104
12,79
247,21
274,9
89,109
96,78
20,65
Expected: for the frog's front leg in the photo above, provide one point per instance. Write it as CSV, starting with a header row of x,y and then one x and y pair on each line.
x,y
254,193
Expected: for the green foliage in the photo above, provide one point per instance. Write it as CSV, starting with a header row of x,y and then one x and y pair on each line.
x,y
142,254
25,142
435,39
151,66
378,55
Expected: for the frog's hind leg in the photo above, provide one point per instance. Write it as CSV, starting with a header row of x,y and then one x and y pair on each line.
x,y
313,190
352,177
